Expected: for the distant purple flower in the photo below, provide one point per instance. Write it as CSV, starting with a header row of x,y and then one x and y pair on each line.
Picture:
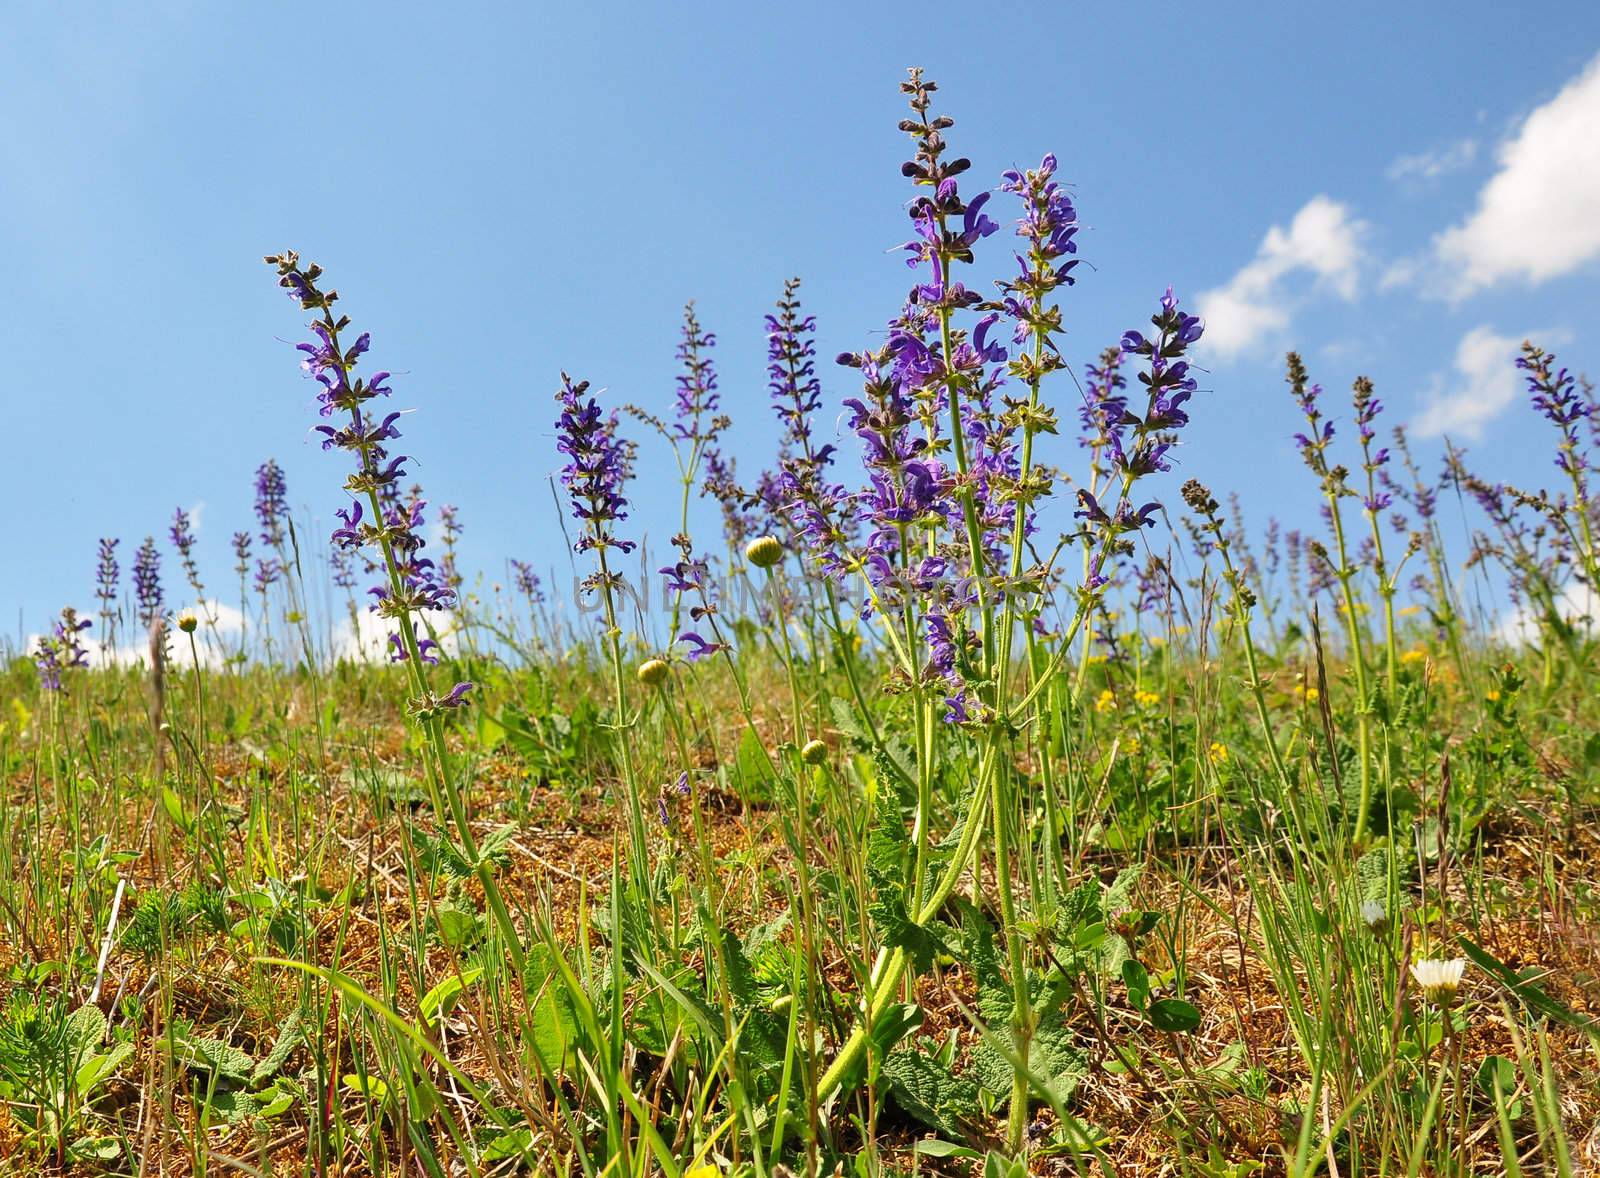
x,y
182,532
792,376
1105,403
147,581
527,582
344,575
183,539
272,503
47,661
739,521
596,469
107,576
61,650
697,399
450,523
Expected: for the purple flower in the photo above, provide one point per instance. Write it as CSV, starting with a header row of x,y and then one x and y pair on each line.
x,y
61,650
107,576
1168,386
792,376
597,468
272,503
1555,394
1104,402
147,581
66,632
1049,225
183,539
450,524
697,398
700,648
411,583
47,662
1126,518
527,582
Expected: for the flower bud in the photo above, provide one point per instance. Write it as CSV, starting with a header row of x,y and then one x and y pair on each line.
x,y
653,672
187,621
764,552
1375,916
814,752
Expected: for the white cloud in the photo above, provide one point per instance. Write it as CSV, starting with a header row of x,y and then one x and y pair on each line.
x,y
367,638
1430,165
1578,604
1538,217
1484,383
1323,241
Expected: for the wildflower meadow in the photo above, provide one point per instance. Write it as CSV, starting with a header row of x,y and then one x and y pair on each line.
x,y
964,787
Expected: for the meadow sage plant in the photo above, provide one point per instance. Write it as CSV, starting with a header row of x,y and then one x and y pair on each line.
x,y
411,585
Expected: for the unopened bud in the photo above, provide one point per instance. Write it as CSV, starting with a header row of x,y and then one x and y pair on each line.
x,y
653,672
814,752
764,552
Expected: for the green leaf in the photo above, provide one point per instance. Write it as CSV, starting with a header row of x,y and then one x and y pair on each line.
x,y
98,1068
929,1094
1137,979
173,805
369,1086
86,1027
845,719
755,771
1174,1016
932,1147
288,1039
553,1018
439,1000
215,1055
1497,1069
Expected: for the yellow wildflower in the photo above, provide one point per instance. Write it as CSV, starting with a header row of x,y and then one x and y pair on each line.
x,y
1146,699
1218,752
1493,695
1409,611
1415,655
1309,694
1131,746
1106,701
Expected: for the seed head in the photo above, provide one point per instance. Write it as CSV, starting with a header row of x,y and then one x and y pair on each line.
x,y
653,672
814,752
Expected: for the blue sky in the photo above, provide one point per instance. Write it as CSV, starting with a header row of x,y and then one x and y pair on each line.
x,y
503,191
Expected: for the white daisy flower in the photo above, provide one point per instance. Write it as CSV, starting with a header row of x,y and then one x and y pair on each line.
x,y
1438,979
